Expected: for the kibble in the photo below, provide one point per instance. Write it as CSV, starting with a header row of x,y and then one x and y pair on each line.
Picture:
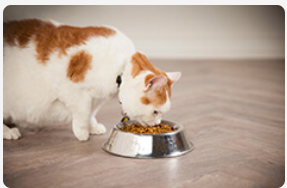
x,y
157,129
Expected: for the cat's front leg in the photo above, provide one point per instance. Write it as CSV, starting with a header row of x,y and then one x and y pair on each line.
x,y
95,126
80,106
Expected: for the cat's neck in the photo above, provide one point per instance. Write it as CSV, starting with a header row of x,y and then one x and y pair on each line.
x,y
127,71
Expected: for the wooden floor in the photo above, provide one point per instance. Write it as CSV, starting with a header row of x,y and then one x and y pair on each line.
x,y
233,111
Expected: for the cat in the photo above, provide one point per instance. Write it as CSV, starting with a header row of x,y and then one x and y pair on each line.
x,y
55,73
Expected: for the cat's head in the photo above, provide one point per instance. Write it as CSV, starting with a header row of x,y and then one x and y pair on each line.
x,y
145,91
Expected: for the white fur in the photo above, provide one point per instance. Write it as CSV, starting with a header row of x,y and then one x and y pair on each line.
x,y
37,94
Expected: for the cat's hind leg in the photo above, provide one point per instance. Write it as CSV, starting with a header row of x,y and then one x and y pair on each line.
x,y
10,133
95,126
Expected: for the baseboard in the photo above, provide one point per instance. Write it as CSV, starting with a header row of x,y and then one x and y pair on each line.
x,y
213,49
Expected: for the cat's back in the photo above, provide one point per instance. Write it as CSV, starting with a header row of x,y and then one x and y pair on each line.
x,y
48,37
19,33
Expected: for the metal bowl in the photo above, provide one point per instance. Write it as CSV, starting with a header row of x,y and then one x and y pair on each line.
x,y
135,145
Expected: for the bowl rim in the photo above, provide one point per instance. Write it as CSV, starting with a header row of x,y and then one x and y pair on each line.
x,y
178,125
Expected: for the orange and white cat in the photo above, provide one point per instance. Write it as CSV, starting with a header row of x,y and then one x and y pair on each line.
x,y
56,73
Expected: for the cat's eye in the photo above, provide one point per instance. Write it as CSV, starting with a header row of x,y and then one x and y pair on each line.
x,y
155,112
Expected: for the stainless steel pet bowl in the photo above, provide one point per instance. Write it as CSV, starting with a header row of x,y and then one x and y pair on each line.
x,y
135,145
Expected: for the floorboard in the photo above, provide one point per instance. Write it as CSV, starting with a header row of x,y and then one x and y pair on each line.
x,y
232,110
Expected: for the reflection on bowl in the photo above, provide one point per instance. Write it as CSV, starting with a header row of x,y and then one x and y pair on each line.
x,y
171,144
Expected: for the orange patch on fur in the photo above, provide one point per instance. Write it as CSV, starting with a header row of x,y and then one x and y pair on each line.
x,y
20,31
80,63
160,97
145,100
48,37
141,63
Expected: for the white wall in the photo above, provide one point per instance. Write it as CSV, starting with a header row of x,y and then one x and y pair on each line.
x,y
180,31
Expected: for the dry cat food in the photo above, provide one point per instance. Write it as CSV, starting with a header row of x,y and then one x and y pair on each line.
x,y
157,129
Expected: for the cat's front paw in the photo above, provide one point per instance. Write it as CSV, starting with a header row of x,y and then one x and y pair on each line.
x,y
11,134
97,128
82,134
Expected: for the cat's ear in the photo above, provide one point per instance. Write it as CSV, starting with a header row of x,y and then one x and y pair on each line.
x,y
156,82
174,76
